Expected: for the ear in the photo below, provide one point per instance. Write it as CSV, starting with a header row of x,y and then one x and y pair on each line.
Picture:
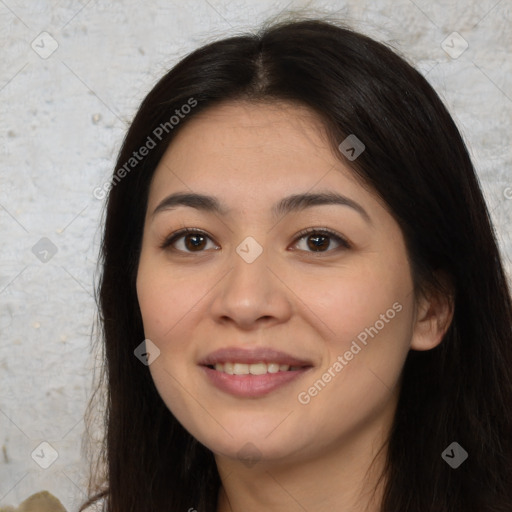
x,y
434,314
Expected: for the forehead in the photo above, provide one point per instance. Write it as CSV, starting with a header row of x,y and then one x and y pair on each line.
x,y
251,143
263,116
240,130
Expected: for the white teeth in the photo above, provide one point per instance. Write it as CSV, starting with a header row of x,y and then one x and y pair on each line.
x,y
272,367
254,369
257,369
241,369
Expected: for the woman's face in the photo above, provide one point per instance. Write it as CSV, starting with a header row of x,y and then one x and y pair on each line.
x,y
333,319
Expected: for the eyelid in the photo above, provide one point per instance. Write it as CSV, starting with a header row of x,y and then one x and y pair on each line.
x,y
169,240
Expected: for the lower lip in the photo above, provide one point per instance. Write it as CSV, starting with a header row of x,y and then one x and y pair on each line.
x,y
251,386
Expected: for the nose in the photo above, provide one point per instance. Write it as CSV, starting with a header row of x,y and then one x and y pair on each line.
x,y
252,293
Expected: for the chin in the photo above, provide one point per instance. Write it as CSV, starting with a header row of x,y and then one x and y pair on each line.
x,y
250,445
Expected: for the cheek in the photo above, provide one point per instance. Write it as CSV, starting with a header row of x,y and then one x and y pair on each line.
x,y
365,315
367,340
167,308
351,300
166,299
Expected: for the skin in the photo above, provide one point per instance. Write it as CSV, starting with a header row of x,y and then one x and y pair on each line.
x,y
311,304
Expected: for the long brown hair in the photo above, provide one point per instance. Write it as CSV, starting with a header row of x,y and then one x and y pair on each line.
x,y
417,162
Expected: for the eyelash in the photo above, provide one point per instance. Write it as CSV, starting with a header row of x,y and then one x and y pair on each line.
x,y
168,241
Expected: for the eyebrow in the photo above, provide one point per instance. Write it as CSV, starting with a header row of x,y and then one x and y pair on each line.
x,y
292,203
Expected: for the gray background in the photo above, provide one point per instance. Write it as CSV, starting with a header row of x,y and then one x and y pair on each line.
x,y
62,120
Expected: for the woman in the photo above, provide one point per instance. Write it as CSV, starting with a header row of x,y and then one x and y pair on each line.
x,y
302,299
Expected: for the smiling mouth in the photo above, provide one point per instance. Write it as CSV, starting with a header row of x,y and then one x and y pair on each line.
x,y
252,380
260,368
252,373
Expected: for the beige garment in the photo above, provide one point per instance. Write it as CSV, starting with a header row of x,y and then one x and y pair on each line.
x,y
40,502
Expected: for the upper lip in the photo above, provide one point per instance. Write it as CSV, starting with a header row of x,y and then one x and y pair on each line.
x,y
252,356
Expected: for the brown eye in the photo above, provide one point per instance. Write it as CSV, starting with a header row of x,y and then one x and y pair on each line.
x,y
193,242
187,240
319,240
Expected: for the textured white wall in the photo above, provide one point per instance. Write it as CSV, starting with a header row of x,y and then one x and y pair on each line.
x,y
62,120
